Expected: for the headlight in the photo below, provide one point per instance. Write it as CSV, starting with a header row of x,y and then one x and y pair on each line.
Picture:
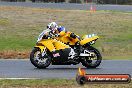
x,y
91,35
88,36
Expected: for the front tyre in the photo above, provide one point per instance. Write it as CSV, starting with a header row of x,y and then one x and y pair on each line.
x,y
93,60
38,60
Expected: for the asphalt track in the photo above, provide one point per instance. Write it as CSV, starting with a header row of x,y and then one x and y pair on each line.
x,y
69,6
24,69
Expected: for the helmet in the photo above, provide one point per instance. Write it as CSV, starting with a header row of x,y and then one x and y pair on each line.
x,y
52,26
61,28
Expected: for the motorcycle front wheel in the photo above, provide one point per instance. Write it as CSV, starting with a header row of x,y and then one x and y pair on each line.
x,y
38,60
92,61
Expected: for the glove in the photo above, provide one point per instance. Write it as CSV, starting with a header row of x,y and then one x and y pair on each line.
x,y
72,35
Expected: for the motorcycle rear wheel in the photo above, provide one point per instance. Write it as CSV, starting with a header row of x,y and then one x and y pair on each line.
x,y
38,61
88,63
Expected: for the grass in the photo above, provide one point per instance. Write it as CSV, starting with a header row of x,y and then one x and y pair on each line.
x,y
20,27
4,21
55,83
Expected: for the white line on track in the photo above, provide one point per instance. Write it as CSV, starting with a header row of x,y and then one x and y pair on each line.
x,y
18,78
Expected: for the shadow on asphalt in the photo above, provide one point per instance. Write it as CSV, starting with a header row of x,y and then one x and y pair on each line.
x,y
66,68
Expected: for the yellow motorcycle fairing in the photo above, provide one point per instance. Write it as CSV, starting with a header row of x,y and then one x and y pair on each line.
x,y
40,47
51,45
59,45
87,40
65,38
45,43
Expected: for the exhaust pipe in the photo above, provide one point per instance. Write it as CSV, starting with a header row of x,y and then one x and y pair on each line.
x,y
82,55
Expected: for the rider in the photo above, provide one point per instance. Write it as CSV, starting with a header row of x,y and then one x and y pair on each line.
x,y
52,31
55,29
61,31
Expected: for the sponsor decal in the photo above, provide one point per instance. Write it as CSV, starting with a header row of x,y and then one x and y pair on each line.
x,y
56,55
83,78
71,54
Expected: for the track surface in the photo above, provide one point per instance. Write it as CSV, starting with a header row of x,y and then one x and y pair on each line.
x,y
24,69
69,6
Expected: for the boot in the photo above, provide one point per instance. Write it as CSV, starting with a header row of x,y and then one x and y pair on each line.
x,y
78,49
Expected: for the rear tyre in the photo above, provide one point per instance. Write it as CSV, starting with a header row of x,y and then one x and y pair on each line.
x,y
38,60
92,61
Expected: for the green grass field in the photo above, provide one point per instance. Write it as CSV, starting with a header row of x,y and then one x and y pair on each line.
x,y
55,83
20,27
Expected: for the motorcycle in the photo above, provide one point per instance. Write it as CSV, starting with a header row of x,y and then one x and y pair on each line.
x,y
63,51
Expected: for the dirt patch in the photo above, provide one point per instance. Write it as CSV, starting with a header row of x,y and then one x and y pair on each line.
x,y
14,54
